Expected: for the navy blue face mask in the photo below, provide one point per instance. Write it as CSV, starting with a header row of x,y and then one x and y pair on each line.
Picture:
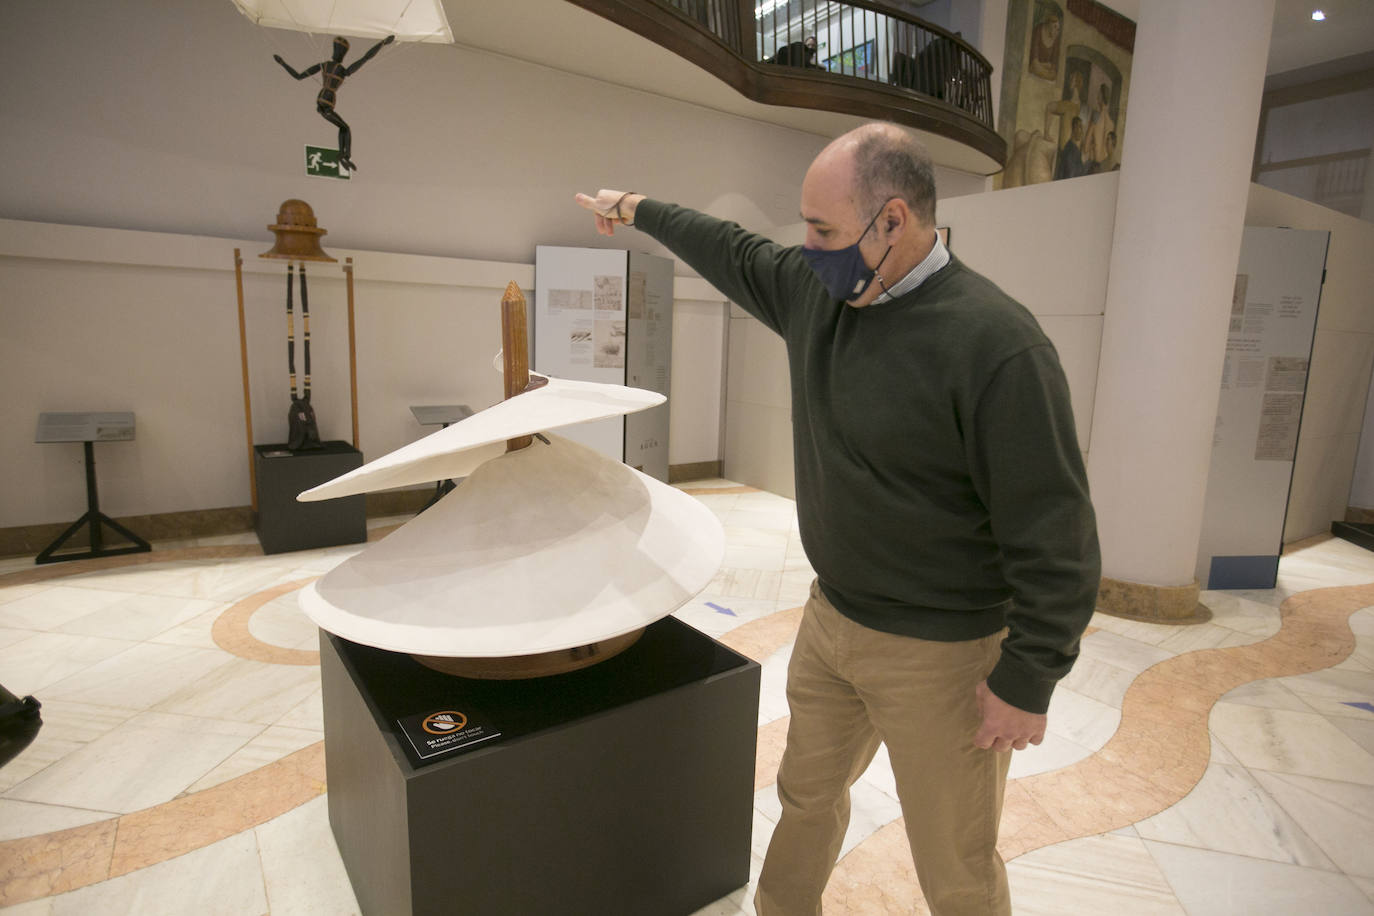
x,y
842,271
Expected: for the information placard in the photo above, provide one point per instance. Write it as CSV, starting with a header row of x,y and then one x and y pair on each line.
x,y
606,315
1259,412
98,426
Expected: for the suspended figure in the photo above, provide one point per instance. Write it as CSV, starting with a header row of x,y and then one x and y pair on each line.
x,y
333,72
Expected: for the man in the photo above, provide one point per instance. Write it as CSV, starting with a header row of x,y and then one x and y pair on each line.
x,y
942,502
1105,164
1044,47
1070,162
1066,109
1099,124
798,54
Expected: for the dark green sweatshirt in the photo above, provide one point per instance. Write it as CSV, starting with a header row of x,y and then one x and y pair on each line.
x,y
940,490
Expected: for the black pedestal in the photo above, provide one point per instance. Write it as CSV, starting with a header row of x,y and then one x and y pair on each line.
x,y
283,523
626,787
1358,533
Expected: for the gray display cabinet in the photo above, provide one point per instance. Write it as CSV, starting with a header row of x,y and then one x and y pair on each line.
x,y
626,787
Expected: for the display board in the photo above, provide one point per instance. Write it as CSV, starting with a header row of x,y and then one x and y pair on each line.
x,y
106,426
649,304
1268,355
606,316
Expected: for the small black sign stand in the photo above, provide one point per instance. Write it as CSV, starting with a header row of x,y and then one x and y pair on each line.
x,y
58,428
442,415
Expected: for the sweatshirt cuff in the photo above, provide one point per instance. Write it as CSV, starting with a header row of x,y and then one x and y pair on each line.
x,y
1021,686
647,212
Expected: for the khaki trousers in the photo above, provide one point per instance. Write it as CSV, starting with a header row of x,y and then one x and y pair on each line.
x,y
850,688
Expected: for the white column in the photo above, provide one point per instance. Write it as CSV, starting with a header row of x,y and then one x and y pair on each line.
x,y
1196,82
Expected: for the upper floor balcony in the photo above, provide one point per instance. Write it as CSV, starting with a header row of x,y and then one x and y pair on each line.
x,y
871,61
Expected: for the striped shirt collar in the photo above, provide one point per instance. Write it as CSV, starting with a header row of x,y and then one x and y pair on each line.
x,y
938,258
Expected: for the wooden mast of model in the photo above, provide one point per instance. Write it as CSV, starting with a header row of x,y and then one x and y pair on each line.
x,y
515,353
515,360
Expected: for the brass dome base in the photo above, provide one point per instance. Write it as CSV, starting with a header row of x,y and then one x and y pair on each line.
x,y
542,664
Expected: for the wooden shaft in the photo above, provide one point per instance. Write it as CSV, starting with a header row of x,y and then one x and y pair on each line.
x,y
352,352
247,399
515,351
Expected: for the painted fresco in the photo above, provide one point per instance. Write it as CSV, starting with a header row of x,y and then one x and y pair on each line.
x,y
1065,81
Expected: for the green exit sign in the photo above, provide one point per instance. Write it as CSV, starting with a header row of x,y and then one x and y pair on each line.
x,y
322,162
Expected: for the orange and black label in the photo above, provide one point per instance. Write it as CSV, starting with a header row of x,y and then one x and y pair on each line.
x,y
444,723
433,734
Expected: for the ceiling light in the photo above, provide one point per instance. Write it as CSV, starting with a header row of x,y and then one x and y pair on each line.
x,y
767,6
1318,16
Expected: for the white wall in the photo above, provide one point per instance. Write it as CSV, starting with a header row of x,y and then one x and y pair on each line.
x,y
108,319
1049,246
758,412
697,407
173,119
758,408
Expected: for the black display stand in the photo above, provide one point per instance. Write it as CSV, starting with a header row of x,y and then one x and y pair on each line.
x,y
440,415
1360,534
89,428
626,787
283,523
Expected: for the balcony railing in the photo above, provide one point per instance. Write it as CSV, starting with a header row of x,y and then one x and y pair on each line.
x,y
865,58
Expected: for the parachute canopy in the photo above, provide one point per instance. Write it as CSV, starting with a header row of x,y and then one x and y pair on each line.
x,y
408,20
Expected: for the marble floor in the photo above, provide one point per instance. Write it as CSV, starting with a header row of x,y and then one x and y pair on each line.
x,y
1225,767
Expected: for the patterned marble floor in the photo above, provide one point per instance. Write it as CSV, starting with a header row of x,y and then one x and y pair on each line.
x,y
1219,768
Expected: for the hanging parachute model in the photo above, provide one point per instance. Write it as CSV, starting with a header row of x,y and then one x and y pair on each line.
x,y
408,20
387,20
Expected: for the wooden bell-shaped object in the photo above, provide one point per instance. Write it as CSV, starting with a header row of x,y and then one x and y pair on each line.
x,y
298,235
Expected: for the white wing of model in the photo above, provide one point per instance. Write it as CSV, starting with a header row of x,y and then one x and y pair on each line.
x,y
457,450
548,547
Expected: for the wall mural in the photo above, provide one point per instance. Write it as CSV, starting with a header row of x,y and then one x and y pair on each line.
x,y
1065,80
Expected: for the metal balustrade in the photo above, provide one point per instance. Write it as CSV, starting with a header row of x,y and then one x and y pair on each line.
x,y
872,60
869,41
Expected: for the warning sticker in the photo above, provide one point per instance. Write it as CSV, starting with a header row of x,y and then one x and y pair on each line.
x,y
445,731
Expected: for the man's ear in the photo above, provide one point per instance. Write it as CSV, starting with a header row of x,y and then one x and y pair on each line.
x,y
897,216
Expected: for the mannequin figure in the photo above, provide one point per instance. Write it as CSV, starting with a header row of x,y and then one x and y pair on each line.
x,y
333,72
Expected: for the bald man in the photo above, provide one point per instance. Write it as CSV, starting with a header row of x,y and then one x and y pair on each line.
x,y
942,502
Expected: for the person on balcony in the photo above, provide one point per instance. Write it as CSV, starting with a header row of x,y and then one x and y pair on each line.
x,y
797,54
942,501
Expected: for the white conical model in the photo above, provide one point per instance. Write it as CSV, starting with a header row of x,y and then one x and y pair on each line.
x,y
546,558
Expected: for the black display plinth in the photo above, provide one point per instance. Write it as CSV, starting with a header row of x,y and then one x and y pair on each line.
x,y
283,523
626,787
1359,533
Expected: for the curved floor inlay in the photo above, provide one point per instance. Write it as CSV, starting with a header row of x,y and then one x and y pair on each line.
x,y
54,863
231,632
1156,756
